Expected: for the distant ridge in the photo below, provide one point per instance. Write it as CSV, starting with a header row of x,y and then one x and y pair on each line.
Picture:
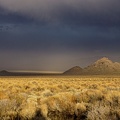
x,y
102,66
74,71
6,73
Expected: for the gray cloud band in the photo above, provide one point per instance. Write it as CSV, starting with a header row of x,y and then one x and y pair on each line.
x,y
64,10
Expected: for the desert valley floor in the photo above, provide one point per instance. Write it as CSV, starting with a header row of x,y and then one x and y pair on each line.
x,y
60,98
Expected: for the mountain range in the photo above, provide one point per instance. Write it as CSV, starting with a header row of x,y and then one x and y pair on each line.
x,y
102,66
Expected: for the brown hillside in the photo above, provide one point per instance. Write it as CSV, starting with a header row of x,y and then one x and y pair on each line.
x,y
103,66
74,71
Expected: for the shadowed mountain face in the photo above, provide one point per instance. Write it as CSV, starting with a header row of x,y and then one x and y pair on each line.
x,y
101,67
74,71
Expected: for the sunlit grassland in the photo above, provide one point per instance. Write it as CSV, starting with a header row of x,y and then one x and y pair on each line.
x,y
60,98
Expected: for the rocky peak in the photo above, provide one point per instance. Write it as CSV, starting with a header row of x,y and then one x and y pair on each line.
x,y
104,60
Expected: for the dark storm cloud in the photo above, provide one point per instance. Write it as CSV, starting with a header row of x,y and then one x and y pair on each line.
x,y
49,38
77,12
13,18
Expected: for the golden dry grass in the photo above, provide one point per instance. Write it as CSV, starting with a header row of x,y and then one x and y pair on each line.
x,y
60,98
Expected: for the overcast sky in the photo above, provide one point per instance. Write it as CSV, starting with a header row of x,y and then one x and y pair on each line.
x,y
54,35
